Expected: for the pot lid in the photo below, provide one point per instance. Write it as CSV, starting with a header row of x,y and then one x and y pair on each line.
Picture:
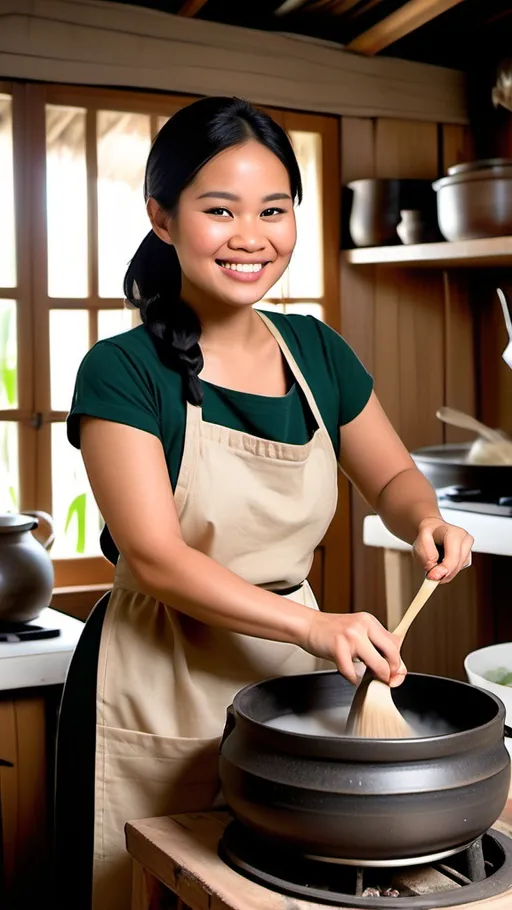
x,y
479,165
12,521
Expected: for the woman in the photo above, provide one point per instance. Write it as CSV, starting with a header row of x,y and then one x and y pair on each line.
x,y
210,435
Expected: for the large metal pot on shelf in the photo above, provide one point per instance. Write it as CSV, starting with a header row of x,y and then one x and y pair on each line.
x,y
363,801
474,200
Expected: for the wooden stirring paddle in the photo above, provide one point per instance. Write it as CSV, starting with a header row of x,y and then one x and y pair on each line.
x,y
373,713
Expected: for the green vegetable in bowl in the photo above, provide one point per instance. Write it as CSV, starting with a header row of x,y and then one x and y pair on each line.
x,y
502,676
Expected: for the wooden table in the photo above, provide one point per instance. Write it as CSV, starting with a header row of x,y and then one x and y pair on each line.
x,y
177,855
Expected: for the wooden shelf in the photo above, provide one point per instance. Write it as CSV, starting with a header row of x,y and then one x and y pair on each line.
x,y
491,251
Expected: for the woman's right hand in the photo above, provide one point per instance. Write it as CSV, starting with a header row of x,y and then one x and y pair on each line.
x,y
345,637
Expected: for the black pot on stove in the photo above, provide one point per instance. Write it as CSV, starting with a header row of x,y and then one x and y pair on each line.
x,y
365,800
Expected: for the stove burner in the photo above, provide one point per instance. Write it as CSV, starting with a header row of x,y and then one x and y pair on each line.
x,y
474,501
25,631
478,872
385,863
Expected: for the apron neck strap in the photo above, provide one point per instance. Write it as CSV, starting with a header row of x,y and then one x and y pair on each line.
x,y
294,367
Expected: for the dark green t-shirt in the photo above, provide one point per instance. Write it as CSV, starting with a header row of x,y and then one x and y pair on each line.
x,y
122,379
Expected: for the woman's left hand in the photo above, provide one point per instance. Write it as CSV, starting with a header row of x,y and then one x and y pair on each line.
x,y
456,544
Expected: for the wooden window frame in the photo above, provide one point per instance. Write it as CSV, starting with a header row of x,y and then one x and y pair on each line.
x,y
34,414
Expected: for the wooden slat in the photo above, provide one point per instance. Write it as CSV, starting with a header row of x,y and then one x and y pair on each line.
x,y
83,571
9,293
421,357
457,145
191,8
406,19
357,326
117,100
336,546
460,355
23,797
91,157
24,312
9,788
406,149
36,95
153,126
78,600
387,370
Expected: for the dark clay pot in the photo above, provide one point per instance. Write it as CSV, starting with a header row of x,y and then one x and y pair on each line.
x,y
26,570
361,799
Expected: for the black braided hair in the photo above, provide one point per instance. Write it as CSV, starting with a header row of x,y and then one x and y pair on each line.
x,y
191,138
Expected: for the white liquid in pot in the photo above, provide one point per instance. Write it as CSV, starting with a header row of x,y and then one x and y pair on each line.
x,y
332,722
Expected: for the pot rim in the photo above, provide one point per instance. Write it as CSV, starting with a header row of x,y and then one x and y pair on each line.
x,y
496,173
354,748
464,166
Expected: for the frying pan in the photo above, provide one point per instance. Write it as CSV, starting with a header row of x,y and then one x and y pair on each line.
x,y
447,466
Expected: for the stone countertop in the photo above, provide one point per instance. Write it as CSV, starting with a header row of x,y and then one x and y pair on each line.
x,y
40,662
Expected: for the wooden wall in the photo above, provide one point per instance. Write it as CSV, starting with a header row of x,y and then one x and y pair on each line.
x,y
414,331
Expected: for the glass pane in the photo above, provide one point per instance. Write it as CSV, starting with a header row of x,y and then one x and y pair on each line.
x,y
76,516
9,476
113,322
306,273
123,147
7,235
306,309
66,188
8,355
69,342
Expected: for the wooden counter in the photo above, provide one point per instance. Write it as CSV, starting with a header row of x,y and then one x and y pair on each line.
x,y
179,854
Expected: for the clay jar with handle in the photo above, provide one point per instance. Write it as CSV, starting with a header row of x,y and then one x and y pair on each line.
x,y
26,570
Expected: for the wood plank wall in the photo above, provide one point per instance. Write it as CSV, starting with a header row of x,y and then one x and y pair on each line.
x,y
414,331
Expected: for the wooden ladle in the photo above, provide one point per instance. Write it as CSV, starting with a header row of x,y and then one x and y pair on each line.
x,y
373,713
457,418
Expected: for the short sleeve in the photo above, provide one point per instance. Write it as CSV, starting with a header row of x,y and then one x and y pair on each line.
x,y
111,385
355,384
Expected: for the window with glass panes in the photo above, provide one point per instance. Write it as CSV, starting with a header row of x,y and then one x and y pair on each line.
x,y
72,214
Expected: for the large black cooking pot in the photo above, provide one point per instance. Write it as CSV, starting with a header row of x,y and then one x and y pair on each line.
x,y
447,466
362,799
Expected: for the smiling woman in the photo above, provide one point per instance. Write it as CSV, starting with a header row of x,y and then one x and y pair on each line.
x,y
211,435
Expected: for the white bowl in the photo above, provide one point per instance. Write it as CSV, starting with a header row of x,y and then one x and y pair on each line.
x,y
491,658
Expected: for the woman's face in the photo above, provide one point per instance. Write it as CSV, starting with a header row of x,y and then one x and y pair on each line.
x,y
234,230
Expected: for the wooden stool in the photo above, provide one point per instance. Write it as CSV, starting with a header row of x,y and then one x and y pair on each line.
x,y
176,866
176,857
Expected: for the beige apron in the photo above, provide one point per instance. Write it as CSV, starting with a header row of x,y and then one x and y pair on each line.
x,y
165,680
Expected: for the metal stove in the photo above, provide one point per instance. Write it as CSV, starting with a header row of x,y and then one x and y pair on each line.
x,y
474,501
479,871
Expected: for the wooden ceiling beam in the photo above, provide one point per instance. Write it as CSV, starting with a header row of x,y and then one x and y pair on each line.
x,y
408,18
190,8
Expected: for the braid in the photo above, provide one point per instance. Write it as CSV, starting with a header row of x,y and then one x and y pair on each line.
x,y
173,326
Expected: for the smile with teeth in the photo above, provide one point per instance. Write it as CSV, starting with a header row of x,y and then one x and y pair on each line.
x,y
242,266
